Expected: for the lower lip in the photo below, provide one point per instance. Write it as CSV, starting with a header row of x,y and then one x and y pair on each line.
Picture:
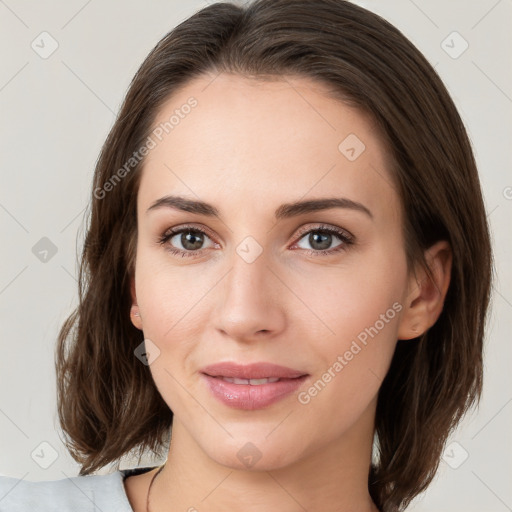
x,y
245,396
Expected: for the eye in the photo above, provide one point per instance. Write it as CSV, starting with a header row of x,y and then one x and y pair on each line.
x,y
185,241
321,239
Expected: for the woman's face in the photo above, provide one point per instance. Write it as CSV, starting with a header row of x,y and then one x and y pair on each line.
x,y
244,285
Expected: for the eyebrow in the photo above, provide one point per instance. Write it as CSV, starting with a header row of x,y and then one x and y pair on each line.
x,y
285,211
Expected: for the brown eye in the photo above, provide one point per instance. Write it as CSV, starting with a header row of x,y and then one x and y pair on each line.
x,y
185,241
190,240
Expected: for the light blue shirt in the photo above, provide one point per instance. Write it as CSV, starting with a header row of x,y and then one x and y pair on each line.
x,y
88,493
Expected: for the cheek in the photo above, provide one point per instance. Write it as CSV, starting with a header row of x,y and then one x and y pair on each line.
x,y
168,295
353,364
353,295
360,310
170,309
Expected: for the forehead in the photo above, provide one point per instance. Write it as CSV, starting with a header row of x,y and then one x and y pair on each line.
x,y
273,141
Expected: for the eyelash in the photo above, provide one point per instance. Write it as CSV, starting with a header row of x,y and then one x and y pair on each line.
x,y
346,238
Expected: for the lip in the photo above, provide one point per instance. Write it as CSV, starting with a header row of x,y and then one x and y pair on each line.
x,y
251,371
249,396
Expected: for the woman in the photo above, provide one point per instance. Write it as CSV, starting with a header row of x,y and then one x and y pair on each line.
x,y
287,260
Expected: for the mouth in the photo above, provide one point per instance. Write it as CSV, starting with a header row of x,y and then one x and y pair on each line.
x,y
254,386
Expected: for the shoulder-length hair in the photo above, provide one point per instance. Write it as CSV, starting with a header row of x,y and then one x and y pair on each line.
x,y
108,404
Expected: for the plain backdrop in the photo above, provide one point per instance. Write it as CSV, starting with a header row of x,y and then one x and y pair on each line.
x,y
56,111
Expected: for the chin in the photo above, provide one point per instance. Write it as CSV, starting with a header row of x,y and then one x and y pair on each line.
x,y
255,455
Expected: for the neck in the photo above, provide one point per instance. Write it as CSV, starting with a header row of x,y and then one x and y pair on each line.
x,y
330,477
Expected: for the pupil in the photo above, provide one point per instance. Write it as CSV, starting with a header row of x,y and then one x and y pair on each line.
x,y
324,240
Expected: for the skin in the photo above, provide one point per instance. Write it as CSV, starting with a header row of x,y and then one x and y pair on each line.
x,y
248,147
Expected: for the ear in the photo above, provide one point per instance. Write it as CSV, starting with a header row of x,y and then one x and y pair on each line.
x,y
134,311
425,298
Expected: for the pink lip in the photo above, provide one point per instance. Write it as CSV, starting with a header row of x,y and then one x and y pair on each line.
x,y
251,371
247,396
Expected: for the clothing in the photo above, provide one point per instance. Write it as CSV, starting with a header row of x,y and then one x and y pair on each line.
x,y
88,493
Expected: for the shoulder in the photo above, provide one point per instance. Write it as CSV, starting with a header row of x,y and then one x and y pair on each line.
x,y
78,494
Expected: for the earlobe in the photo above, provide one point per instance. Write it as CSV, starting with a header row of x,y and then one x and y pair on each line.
x,y
135,316
424,303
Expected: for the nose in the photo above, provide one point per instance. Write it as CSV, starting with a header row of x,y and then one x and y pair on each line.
x,y
251,302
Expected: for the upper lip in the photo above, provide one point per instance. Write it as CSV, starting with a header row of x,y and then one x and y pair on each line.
x,y
251,371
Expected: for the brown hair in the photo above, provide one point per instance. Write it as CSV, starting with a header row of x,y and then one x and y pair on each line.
x,y
107,401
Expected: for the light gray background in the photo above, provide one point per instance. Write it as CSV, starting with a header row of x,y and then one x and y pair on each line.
x,y
55,115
